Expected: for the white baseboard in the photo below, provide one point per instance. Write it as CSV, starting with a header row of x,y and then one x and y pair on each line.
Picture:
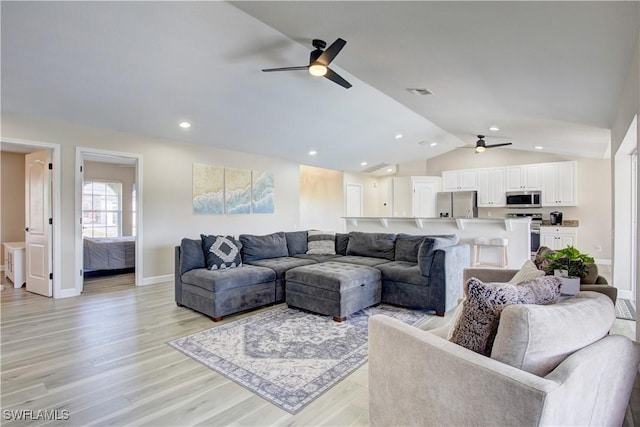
x,y
65,293
602,261
625,295
157,279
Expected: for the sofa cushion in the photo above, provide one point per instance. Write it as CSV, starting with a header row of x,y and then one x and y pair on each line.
x,y
428,248
407,246
191,255
537,339
528,272
221,252
592,275
321,242
375,245
361,260
263,247
282,264
227,279
478,322
342,240
402,271
318,258
296,242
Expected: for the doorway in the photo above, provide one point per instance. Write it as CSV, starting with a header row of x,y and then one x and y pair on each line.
x,y
108,216
354,200
43,256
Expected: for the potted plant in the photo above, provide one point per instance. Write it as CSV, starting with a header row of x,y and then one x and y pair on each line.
x,y
571,265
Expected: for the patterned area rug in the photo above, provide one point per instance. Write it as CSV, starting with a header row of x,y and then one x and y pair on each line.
x,y
624,310
287,356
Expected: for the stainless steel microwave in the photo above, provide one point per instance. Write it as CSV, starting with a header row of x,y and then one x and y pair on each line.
x,y
523,199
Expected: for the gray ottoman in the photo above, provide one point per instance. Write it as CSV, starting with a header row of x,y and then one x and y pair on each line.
x,y
333,288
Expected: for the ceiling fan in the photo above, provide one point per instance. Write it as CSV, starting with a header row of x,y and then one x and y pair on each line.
x,y
319,61
481,145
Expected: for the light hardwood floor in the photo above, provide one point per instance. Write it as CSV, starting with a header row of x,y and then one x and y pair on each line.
x,y
103,357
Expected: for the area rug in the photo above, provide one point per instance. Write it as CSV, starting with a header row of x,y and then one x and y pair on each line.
x,y
625,310
287,356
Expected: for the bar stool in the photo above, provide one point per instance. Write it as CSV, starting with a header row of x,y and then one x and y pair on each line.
x,y
500,242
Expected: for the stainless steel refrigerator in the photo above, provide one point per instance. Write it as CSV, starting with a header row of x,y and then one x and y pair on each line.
x,y
457,204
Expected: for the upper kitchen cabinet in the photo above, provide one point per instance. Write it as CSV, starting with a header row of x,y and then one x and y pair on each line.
x,y
491,188
463,180
559,184
523,177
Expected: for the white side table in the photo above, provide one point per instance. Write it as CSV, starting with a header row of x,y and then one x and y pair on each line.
x,y
14,262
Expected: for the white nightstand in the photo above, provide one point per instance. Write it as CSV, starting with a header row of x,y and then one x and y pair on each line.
x,y
14,262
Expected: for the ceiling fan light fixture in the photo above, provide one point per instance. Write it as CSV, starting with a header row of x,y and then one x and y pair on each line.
x,y
480,149
317,70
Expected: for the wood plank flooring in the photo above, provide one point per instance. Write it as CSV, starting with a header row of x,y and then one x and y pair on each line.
x,y
103,358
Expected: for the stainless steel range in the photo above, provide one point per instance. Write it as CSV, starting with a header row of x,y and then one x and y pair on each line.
x,y
536,222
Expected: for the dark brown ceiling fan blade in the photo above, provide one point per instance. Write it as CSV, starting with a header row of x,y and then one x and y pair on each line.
x,y
330,53
336,78
302,67
498,145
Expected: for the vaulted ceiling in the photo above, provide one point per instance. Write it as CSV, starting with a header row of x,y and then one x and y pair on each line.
x,y
546,74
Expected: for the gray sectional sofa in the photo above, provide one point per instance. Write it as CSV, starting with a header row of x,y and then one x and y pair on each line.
x,y
416,271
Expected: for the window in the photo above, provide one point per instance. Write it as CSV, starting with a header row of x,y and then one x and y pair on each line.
x,y
101,209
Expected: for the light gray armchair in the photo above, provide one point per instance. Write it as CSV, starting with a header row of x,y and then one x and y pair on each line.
x,y
584,376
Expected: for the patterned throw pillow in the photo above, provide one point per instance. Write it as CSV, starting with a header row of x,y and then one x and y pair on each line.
x,y
321,242
221,251
477,325
540,261
528,272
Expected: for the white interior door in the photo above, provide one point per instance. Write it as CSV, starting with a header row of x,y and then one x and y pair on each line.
x,y
38,228
424,199
354,200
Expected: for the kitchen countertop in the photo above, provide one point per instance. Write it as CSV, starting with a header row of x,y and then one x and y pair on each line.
x,y
565,223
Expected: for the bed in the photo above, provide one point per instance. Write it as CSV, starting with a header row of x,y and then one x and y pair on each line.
x,y
109,253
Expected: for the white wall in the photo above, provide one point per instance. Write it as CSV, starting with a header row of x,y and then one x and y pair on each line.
x,y
321,199
373,201
167,186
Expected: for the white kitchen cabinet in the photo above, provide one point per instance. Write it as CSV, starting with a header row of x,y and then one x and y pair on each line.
x,y
523,177
558,237
559,184
491,188
463,180
14,262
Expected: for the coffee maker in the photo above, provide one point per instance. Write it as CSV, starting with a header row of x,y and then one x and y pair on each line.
x,y
555,218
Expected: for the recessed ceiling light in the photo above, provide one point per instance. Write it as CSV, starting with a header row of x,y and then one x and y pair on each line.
x,y
184,125
363,164
494,128
433,144
539,147
313,152
398,136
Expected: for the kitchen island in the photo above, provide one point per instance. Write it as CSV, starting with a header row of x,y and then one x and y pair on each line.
x,y
516,230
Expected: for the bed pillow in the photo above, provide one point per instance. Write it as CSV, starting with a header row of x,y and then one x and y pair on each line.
x,y
221,252
478,322
528,272
263,247
321,242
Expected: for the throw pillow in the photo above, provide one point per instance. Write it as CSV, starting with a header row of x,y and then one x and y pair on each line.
x,y
321,242
540,261
478,322
222,252
528,272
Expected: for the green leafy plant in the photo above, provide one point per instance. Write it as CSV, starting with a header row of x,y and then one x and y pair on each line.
x,y
571,260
